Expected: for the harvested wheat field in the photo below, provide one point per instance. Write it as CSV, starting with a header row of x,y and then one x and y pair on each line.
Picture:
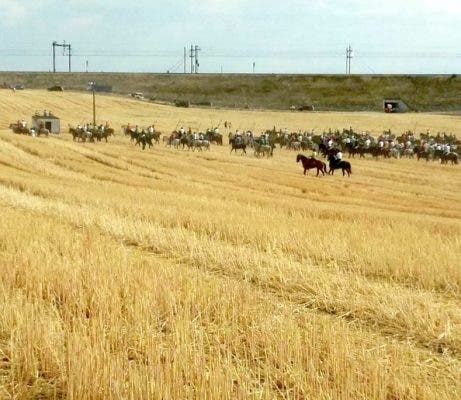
x,y
167,274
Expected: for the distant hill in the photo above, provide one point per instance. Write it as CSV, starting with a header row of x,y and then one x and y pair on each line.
x,y
325,92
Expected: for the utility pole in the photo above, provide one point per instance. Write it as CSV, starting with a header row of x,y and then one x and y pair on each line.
x,y
254,66
185,56
349,55
197,49
65,47
94,105
70,55
191,59
54,56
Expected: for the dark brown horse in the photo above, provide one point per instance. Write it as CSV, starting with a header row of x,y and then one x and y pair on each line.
x,y
236,145
452,157
327,151
345,166
310,163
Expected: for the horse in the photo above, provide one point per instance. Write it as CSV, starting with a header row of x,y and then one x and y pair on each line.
x,y
345,166
355,149
43,131
309,163
238,145
452,157
423,154
327,151
156,137
264,149
295,145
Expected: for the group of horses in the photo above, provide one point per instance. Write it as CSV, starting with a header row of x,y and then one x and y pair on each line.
x,y
192,140
24,130
142,137
387,145
185,140
261,146
400,151
334,164
91,135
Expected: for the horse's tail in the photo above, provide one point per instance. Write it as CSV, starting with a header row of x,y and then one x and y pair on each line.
x,y
350,168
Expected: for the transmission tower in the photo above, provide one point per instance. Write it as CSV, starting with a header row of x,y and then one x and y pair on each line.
x,y
197,49
65,47
191,55
349,55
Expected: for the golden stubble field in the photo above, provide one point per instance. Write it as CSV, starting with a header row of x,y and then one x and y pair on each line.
x,y
170,274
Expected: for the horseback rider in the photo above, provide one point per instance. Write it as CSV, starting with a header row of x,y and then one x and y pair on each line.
x,y
238,137
339,157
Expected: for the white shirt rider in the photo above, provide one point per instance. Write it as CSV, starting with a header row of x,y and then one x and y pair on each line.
x,y
339,156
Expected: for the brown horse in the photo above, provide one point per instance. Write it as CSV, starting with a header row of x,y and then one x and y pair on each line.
x,y
309,163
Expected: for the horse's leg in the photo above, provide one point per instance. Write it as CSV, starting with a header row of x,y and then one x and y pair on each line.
x,y
305,171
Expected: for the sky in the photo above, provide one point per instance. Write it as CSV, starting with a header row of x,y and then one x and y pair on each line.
x,y
292,36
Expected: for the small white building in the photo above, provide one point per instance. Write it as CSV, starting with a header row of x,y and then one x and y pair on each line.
x,y
46,120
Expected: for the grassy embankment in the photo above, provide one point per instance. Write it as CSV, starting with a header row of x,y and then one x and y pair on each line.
x,y
326,92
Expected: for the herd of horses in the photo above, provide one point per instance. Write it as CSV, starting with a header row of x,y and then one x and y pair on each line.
x,y
91,135
264,145
23,130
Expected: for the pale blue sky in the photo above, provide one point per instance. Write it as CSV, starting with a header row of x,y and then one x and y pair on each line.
x,y
407,36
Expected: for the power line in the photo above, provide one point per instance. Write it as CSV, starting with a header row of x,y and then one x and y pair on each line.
x,y
210,54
